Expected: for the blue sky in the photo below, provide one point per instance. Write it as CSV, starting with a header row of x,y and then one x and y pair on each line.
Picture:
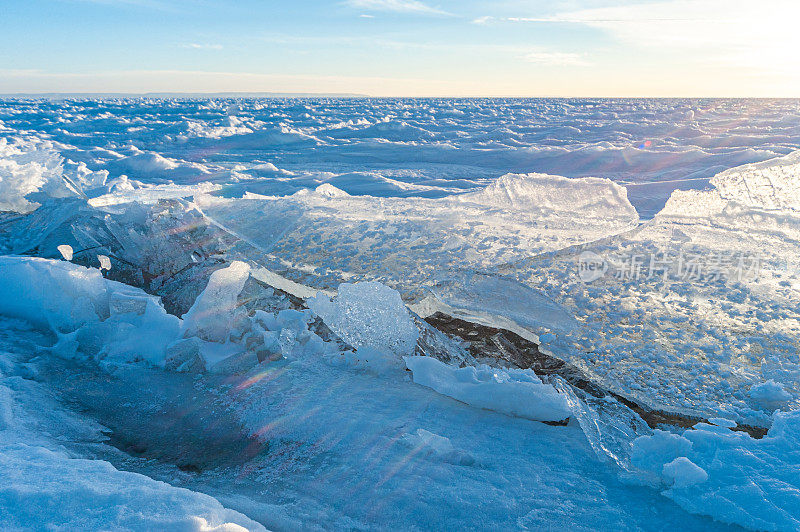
x,y
403,47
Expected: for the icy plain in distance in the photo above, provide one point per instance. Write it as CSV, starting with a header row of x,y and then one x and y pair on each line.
x,y
258,348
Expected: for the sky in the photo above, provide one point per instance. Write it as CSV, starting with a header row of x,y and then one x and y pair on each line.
x,y
689,48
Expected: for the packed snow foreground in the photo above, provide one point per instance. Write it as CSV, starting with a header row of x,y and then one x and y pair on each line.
x,y
301,320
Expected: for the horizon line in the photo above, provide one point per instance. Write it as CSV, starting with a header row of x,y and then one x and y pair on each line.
x,y
270,94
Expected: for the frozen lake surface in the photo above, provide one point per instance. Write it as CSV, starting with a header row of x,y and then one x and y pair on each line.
x,y
400,314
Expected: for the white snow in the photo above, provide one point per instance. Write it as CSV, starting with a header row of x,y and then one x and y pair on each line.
x,y
105,262
153,166
514,392
230,125
330,191
682,473
66,251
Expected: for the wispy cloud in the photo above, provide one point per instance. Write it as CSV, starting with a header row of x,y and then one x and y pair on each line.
x,y
202,46
587,17
161,5
397,6
757,35
555,58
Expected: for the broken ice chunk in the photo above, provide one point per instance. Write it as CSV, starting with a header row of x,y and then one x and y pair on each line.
x,y
722,422
66,251
184,356
236,364
58,295
770,394
121,303
105,262
215,311
682,473
513,392
368,314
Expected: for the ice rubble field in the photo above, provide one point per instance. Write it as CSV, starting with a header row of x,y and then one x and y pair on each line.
x,y
420,148
261,355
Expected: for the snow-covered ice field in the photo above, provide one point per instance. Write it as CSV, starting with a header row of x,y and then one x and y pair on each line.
x,y
400,314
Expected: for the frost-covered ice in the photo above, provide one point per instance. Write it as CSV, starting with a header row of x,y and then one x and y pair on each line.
x,y
324,239
728,475
770,394
233,298
41,486
706,291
